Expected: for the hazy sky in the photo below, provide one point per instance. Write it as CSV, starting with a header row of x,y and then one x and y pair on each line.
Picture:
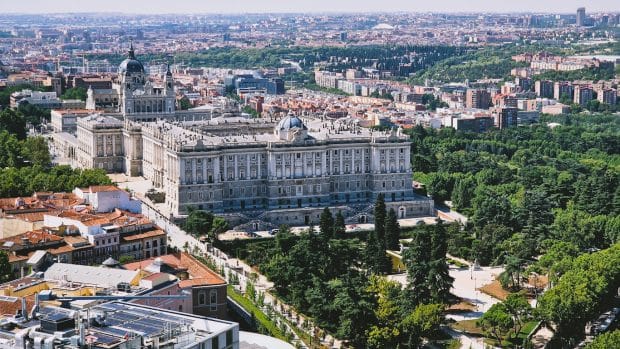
x,y
236,6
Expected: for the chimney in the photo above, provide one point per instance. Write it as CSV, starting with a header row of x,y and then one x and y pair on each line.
x,y
24,310
35,307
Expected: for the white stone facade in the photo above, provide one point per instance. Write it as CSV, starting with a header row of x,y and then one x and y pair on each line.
x,y
327,163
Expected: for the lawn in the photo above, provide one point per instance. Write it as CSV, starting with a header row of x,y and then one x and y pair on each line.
x,y
516,341
470,327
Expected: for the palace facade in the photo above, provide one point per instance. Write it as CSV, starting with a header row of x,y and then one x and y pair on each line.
x,y
257,172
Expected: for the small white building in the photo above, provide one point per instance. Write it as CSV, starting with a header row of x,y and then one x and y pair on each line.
x,y
107,198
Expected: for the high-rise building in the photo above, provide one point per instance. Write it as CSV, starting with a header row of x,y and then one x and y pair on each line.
x,y
608,96
583,94
506,117
477,98
581,16
544,88
563,89
525,84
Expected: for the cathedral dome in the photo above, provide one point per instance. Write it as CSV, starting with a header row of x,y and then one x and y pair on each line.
x,y
291,121
131,64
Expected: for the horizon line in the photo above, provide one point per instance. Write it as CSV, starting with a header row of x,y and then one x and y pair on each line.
x,y
297,12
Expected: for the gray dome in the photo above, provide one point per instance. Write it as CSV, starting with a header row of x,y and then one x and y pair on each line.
x,y
131,64
291,121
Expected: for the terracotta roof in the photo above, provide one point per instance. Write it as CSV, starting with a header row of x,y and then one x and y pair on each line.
x,y
19,257
31,216
118,217
103,188
67,248
199,273
153,276
34,237
49,201
8,307
145,235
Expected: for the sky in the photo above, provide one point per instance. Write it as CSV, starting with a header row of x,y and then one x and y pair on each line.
x,y
262,6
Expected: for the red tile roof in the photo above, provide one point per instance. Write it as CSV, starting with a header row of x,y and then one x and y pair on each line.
x,y
199,273
145,235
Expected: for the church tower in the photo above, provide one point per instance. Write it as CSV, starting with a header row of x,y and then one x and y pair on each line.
x,y
170,97
132,77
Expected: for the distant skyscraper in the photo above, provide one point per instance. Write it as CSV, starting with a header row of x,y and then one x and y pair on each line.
x,y
477,98
583,94
581,16
343,36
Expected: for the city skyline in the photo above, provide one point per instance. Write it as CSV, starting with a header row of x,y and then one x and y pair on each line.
x,y
317,6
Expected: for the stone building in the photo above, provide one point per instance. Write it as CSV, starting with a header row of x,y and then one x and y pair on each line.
x,y
251,171
284,176
133,94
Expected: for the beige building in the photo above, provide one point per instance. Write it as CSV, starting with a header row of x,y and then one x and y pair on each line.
x,y
100,143
251,171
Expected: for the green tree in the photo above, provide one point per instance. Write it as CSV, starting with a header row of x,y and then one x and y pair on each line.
x,y
392,231
75,93
496,322
380,215
463,192
422,322
36,151
199,222
557,259
339,226
326,224
184,103
606,341
376,260
13,122
519,308
6,273
220,225
577,295
439,280
417,259
386,333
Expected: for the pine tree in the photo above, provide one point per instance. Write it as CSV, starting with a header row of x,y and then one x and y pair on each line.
x,y
439,280
380,217
417,260
384,264
392,231
370,254
439,241
339,226
6,272
326,224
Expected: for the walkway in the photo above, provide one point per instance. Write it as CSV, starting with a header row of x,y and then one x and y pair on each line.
x,y
466,284
179,238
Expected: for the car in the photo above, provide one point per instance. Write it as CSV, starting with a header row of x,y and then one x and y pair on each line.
x,y
274,231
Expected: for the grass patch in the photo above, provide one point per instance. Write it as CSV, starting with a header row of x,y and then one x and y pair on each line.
x,y
445,344
261,318
468,326
514,341
456,263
